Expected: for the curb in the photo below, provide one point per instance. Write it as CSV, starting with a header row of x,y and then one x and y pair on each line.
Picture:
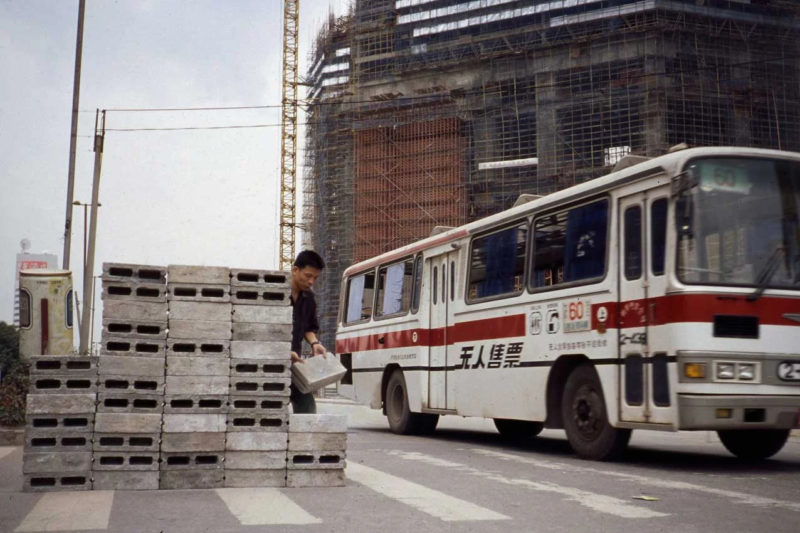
x,y
12,436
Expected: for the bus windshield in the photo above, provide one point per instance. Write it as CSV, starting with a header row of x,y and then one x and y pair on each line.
x,y
738,223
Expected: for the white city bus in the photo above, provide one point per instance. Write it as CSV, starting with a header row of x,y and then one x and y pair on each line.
x,y
665,295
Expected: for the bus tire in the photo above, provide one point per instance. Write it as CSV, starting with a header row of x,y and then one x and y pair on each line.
x,y
401,420
586,418
518,429
753,444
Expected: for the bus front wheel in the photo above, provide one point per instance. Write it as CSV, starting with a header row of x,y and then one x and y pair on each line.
x,y
586,419
401,419
753,444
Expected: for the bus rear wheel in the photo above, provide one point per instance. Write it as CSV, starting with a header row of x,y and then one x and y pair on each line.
x,y
401,420
586,419
753,444
517,429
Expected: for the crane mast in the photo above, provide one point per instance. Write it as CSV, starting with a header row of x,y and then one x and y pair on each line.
x,y
288,195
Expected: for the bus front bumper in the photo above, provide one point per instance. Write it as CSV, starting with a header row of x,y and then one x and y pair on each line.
x,y
712,412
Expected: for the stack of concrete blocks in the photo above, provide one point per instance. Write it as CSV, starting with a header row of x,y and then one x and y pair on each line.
x,y
130,399
260,376
197,373
316,450
59,413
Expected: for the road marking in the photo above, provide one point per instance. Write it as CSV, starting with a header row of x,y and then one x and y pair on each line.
x,y
262,506
427,500
594,501
5,450
738,497
69,511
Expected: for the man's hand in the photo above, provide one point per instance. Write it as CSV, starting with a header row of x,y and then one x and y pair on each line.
x,y
296,358
319,349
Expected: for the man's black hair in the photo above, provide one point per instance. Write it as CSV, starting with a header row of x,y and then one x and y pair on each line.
x,y
309,258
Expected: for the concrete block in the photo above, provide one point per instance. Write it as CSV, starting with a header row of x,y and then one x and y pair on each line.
x,y
192,385
255,478
125,461
133,347
134,310
48,440
74,422
303,442
317,423
277,295
241,386
179,365
255,331
124,365
127,423
125,480
261,349
262,314
315,478
140,291
199,274
210,311
198,292
56,404
124,402
196,348
183,460
33,463
270,404
260,368
122,328
253,277
258,421
61,384
315,460
132,272
199,329
256,441
255,460
191,479
196,404
126,442
54,481
62,365
316,372
131,384
193,442
187,423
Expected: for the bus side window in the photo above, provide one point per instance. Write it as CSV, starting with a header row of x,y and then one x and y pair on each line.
x,y
394,288
417,284
359,297
496,261
658,235
633,242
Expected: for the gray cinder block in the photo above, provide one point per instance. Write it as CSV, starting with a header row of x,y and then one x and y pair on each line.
x,y
196,347
315,478
57,404
134,290
133,347
62,365
255,478
178,365
261,349
275,295
257,421
315,460
262,314
133,272
317,423
125,328
199,329
241,386
127,423
183,460
48,440
131,384
208,311
254,277
33,463
126,461
125,480
267,404
135,310
125,402
177,385
317,441
198,292
63,384
187,423
126,442
122,365
196,404
199,274
256,441
51,481
252,460
193,442
255,331
261,368
191,479
73,422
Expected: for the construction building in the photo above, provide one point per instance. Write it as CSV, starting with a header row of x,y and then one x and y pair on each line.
x,y
425,113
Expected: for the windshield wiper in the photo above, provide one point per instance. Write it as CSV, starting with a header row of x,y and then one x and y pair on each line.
x,y
766,272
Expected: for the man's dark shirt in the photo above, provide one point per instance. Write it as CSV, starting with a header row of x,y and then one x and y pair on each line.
x,y
304,318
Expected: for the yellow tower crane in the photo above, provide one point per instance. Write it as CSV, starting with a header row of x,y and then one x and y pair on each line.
x,y
289,133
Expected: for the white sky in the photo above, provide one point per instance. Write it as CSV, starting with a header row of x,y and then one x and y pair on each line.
x,y
189,197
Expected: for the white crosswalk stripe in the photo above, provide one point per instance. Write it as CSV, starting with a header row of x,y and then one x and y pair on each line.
x,y
69,511
264,506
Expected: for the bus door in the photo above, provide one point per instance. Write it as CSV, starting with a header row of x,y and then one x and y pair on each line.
x,y
442,284
642,370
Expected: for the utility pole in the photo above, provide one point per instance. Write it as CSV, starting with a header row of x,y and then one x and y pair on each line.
x,y
73,138
88,272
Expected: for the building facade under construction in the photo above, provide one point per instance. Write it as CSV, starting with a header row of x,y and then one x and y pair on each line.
x,y
425,113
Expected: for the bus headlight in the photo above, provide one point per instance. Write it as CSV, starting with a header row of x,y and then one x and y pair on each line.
x,y
726,370
746,371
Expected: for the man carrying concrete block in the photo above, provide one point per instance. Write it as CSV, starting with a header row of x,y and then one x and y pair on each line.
x,y
305,323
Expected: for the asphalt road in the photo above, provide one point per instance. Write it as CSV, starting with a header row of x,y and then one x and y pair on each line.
x,y
463,478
